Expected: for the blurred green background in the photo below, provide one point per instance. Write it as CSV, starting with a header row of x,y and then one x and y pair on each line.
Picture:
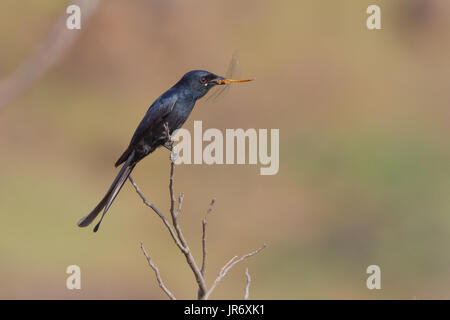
x,y
364,159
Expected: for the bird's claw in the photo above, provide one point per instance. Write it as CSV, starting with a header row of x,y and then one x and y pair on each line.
x,y
169,146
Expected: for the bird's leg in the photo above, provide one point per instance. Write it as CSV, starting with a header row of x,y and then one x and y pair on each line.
x,y
169,144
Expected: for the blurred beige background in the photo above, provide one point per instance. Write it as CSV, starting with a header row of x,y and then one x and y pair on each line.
x,y
364,156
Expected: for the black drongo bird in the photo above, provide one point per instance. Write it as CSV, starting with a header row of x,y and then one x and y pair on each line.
x,y
171,109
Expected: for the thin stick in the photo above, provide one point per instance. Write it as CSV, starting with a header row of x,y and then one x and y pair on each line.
x,y
187,252
227,267
204,251
163,218
178,237
247,287
180,204
204,222
158,275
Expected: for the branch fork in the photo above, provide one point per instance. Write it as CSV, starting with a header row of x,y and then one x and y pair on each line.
x,y
180,241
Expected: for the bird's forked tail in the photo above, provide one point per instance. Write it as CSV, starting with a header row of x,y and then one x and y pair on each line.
x,y
109,197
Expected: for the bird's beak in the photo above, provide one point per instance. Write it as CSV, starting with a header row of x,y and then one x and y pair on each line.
x,y
221,80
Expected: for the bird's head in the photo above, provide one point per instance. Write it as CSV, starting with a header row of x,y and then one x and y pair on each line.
x,y
200,82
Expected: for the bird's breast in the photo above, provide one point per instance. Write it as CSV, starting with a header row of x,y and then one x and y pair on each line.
x,y
182,110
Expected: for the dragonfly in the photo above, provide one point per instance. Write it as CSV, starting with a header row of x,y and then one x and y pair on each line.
x,y
219,90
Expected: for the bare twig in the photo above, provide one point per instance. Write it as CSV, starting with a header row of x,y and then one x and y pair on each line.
x,y
213,201
158,275
204,222
247,287
204,251
147,203
180,204
227,267
187,252
178,237
163,218
172,197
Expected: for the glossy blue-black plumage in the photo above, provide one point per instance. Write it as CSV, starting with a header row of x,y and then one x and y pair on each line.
x,y
173,108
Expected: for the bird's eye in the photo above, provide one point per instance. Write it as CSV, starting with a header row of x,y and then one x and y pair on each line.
x,y
203,80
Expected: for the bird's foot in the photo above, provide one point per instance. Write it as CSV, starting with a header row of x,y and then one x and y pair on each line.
x,y
168,146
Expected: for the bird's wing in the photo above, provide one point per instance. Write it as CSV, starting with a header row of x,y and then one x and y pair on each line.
x,y
155,114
